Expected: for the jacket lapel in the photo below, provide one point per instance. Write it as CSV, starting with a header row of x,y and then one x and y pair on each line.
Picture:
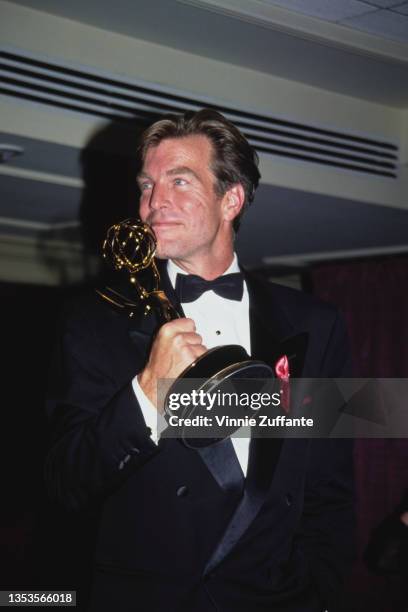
x,y
273,335
263,458
269,327
222,462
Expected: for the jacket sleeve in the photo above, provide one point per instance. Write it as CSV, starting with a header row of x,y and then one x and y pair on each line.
x,y
97,432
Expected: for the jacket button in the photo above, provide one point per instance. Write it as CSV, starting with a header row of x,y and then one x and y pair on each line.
x,y
182,491
288,499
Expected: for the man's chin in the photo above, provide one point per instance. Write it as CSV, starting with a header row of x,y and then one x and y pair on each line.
x,y
165,251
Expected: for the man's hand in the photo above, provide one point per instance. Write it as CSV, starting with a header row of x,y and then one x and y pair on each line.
x,y
175,347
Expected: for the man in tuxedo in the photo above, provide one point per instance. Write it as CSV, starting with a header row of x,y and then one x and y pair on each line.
x,y
242,525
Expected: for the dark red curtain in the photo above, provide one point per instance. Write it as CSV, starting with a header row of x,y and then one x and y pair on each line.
x,y
373,297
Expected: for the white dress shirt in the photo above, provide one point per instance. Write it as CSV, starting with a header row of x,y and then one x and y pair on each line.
x,y
219,321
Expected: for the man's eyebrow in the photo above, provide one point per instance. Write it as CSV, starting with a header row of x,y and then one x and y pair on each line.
x,y
182,170
178,170
143,175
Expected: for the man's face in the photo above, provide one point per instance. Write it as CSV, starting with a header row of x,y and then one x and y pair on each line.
x,y
178,198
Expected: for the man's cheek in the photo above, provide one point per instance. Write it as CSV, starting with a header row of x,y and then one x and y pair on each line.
x,y
142,211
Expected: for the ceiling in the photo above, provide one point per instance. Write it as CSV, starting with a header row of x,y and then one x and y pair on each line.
x,y
237,32
385,18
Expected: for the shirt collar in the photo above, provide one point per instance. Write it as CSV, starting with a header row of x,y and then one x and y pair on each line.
x,y
173,269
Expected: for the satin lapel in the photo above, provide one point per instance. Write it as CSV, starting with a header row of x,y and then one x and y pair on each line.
x,y
221,460
268,323
272,335
263,459
269,327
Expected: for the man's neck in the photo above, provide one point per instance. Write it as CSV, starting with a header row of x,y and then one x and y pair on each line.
x,y
173,269
206,269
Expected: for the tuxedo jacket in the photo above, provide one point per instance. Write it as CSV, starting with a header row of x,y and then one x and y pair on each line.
x,y
180,530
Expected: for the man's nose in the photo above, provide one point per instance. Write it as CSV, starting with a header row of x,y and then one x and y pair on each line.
x,y
159,197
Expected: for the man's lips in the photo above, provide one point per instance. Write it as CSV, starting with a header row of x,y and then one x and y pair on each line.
x,y
163,225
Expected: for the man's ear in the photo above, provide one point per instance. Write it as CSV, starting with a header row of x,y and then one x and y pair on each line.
x,y
233,201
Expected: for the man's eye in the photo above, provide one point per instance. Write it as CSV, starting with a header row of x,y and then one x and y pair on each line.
x,y
145,186
180,181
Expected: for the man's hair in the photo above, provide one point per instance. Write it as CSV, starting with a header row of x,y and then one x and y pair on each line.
x,y
234,160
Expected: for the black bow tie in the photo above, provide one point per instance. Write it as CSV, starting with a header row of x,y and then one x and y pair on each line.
x,y
189,287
